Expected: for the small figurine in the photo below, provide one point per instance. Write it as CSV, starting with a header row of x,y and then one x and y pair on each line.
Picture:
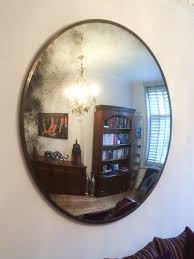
x,y
76,153
49,155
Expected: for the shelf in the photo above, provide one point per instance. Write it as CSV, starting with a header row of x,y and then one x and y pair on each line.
x,y
115,145
115,130
115,160
107,147
111,174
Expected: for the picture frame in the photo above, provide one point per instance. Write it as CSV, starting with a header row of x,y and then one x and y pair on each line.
x,y
53,125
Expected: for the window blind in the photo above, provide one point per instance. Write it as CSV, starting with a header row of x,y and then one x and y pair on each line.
x,y
159,120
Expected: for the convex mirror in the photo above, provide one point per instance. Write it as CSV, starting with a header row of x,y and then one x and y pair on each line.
x,y
95,121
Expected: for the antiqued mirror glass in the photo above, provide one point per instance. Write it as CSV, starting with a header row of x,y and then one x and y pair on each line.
x,y
95,121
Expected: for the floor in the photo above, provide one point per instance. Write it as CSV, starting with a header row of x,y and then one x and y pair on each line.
x,y
79,205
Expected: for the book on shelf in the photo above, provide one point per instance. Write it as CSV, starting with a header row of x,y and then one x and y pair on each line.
x,y
115,139
117,122
115,154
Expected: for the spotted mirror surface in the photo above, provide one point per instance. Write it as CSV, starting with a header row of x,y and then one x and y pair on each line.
x,y
95,121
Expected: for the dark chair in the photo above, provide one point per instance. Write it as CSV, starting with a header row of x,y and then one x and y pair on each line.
x,y
150,178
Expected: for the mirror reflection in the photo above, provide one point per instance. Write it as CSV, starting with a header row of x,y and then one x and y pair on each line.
x,y
96,121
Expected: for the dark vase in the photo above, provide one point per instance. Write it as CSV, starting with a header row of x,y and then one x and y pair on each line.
x,y
76,153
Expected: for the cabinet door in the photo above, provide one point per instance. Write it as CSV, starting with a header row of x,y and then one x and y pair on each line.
x,y
69,183
43,176
111,185
101,186
58,180
123,182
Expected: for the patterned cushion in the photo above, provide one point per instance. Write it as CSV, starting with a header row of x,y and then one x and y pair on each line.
x,y
148,252
166,255
189,243
175,245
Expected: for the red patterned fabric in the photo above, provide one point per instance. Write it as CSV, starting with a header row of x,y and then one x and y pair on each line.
x,y
148,252
175,245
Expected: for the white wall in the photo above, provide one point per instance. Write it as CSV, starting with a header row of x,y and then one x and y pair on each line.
x,y
29,227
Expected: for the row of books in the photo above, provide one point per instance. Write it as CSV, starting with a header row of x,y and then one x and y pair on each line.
x,y
115,154
115,139
117,122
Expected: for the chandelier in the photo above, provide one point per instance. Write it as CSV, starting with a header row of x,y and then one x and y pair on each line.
x,y
81,98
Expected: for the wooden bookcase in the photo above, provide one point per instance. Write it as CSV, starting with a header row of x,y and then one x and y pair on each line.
x,y
112,149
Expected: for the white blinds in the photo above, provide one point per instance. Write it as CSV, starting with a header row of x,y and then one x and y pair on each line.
x,y
159,119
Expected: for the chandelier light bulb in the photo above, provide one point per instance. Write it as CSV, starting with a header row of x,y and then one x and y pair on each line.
x,y
81,97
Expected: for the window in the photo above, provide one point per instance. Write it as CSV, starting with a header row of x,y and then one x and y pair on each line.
x,y
159,119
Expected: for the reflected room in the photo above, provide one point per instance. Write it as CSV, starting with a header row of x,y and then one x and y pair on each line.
x,y
96,121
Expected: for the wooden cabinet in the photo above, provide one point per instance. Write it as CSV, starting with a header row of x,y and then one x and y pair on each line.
x,y
112,149
111,184
60,177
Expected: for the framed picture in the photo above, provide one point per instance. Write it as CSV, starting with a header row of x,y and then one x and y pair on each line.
x,y
53,125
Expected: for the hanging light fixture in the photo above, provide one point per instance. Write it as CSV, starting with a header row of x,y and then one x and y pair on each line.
x,y
81,97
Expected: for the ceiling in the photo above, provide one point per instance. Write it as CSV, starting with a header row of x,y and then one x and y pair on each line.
x,y
109,52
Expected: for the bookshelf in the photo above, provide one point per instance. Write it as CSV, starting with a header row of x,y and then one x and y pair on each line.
x,y
113,128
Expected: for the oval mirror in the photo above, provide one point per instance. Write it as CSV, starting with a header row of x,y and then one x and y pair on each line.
x,y
95,121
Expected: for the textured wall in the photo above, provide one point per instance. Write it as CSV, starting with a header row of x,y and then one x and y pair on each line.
x,y
30,228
